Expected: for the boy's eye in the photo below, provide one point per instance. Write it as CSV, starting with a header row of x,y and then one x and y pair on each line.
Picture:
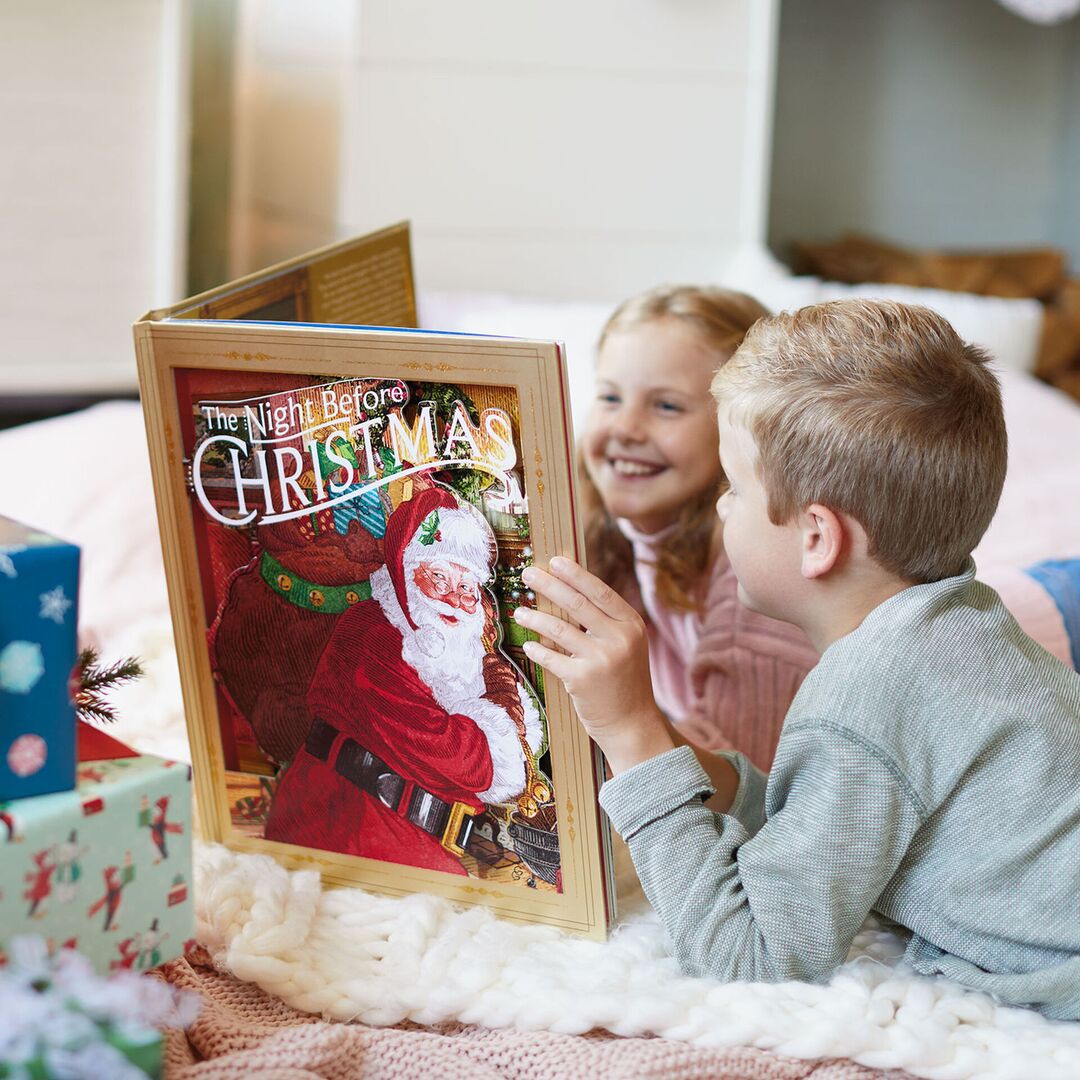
x,y
669,407
608,397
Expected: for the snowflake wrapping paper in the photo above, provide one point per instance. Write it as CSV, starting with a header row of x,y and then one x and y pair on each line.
x,y
39,582
106,867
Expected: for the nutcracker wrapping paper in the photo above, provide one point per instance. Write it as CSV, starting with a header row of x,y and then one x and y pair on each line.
x,y
104,868
39,582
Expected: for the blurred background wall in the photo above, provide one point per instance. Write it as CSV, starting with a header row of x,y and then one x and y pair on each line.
x,y
930,122
153,148
93,185
559,148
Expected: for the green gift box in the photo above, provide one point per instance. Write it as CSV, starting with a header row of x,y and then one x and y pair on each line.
x,y
105,868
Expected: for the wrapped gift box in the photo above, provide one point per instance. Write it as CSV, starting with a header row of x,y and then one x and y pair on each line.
x,y
104,868
39,582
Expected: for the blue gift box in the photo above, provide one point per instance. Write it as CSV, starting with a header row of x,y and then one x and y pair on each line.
x,y
39,583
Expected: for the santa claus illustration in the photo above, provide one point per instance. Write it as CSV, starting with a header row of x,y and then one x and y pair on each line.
x,y
416,723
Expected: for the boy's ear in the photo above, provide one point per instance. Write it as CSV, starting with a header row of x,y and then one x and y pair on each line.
x,y
823,541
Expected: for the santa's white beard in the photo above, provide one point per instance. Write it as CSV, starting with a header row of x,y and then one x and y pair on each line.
x,y
449,657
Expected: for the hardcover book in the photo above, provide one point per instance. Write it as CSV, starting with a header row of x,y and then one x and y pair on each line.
x,y
346,505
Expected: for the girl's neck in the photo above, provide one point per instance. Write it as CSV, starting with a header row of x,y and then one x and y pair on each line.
x,y
635,533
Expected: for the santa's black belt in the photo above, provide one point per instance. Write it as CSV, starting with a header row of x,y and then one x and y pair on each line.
x,y
450,822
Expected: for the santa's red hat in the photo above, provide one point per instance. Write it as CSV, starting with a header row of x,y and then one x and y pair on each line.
x,y
434,524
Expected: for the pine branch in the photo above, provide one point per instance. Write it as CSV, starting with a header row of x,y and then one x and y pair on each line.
x,y
94,709
95,681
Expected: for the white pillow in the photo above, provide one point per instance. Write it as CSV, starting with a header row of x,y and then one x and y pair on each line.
x,y
1009,330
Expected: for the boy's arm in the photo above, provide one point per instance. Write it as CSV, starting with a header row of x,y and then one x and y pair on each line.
x,y
784,903
731,778
602,658
787,902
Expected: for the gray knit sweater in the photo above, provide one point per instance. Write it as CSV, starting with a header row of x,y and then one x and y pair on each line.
x,y
929,771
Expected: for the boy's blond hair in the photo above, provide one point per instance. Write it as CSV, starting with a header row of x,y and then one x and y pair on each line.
x,y
878,410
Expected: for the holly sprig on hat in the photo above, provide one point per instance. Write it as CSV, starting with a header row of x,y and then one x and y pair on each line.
x,y
429,530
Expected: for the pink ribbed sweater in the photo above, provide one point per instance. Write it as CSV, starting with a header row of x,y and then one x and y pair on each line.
x,y
725,677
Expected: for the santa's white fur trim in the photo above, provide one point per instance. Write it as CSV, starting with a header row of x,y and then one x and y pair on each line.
x,y
507,756
534,732
382,592
464,537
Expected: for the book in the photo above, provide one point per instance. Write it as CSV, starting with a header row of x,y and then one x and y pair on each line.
x,y
346,505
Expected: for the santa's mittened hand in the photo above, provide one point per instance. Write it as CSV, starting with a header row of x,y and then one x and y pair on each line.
x,y
600,652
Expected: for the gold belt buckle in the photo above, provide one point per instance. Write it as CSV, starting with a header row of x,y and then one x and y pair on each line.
x,y
458,812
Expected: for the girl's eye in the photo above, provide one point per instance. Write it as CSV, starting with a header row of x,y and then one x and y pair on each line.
x,y
608,398
669,407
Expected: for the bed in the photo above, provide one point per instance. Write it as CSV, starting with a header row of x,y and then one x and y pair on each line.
x,y
278,953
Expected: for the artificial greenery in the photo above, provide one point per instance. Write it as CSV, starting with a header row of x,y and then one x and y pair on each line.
x,y
93,682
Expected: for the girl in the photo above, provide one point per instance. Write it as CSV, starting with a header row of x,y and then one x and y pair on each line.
x,y
723,674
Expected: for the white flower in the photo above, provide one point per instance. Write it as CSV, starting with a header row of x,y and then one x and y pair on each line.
x,y
91,1062
58,1008
29,956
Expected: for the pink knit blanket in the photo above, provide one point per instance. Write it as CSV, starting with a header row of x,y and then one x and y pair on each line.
x,y
242,1031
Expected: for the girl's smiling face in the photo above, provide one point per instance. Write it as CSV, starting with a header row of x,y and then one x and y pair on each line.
x,y
650,441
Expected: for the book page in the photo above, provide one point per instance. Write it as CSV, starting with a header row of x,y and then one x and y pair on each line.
x,y
365,649
363,282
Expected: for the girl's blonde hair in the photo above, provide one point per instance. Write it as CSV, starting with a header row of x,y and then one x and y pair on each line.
x,y
721,317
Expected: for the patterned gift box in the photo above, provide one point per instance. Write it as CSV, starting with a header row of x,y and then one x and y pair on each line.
x,y
39,580
104,868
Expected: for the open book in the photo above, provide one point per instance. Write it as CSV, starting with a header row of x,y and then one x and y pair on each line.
x,y
346,506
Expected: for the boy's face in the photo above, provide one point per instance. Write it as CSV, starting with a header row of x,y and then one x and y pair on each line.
x,y
766,558
650,439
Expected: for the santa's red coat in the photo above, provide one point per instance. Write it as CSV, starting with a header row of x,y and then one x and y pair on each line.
x,y
364,688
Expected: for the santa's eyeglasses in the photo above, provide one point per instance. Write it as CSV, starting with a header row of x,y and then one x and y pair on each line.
x,y
444,586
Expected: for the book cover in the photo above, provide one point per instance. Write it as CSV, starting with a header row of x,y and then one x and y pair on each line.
x,y
346,512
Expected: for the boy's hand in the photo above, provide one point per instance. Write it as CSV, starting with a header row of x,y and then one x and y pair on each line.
x,y
601,655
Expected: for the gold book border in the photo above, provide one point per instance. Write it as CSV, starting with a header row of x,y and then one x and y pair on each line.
x,y
537,372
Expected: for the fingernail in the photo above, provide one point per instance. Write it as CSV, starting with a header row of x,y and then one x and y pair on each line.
x,y
527,575
559,563
517,614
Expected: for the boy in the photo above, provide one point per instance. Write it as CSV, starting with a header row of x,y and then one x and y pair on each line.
x,y
929,767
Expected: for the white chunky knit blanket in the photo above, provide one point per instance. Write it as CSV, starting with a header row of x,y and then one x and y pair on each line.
x,y
350,955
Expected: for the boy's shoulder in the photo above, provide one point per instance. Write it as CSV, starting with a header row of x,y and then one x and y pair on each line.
x,y
937,676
